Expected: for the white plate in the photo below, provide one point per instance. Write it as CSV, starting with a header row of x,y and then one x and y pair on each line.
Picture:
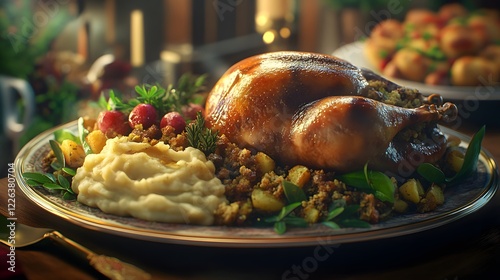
x,y
354,54
461,200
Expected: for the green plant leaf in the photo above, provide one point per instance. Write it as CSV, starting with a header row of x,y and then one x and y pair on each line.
x,y
435,175
431,173
63,134
293,193
69,171
295,221
37,177
371,181
58,153
82,133
280,227
471,157
383,186
287,210
69,196
53,186
334,213
331,224
63,182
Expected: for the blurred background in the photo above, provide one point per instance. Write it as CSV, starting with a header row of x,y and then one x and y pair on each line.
x,y
57,55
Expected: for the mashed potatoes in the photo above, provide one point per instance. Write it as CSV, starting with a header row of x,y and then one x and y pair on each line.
x,y
153,183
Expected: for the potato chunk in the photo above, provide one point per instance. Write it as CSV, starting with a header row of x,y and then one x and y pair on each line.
x,y
299,175
265,163
400,206
74,155
412,191
96,140
265,201
455,159
433,198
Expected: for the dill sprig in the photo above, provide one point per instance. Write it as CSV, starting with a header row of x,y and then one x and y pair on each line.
x,y
201,137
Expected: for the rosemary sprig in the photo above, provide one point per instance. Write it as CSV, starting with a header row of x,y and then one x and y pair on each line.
x,y
201,137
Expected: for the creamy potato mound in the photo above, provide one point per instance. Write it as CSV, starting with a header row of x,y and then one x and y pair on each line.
x,y
153,183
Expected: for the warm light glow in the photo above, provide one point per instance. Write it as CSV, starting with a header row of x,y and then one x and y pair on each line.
x,y
268,37
261,20
285,32
136,38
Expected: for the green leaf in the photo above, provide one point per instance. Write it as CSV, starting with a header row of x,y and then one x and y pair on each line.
x,y
53,186
371,181
355,179
51,177
56,165
63,182
69,171
471,157
83,132
431,173
37,177
287,210
334,213
383,186
280,227
351,210
295,221
69,196
331,224
57,152
63,134
293,193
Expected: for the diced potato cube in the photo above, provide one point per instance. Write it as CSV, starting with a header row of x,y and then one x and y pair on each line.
x,y
265,163
455,159
412,191
96,140
299,175
74,155
435,193
89,123
311,215
433,198
400,206
265,201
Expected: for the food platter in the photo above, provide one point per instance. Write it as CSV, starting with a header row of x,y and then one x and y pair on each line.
x,y
461,200
354,53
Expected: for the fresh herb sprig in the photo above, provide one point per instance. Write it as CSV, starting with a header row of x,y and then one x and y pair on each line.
x,y
172,98
371,181
51,182
341,215
294,196
201,137
59,180
54,181
435,175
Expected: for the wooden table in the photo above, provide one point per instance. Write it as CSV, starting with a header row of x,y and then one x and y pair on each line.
x,y
468,248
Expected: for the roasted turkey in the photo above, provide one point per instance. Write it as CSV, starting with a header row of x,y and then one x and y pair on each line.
x,y
321,112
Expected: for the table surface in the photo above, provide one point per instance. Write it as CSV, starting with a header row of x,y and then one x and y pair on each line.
x,y
468,248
